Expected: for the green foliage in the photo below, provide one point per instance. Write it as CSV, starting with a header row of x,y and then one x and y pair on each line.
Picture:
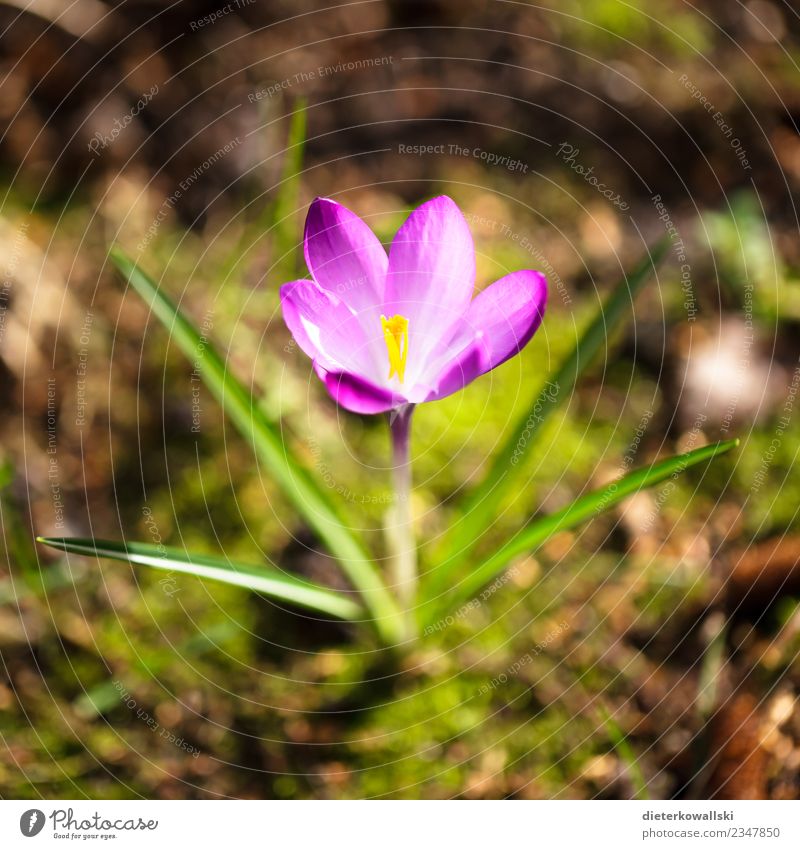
x,y
306,492
580,510
297,484
481,507
751,270
625,752
260,579
607,24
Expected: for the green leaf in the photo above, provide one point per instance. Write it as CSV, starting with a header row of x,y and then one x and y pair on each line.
x,y
277,210
261,579
586,507
286,202
294,480
626,754
480,509
30,579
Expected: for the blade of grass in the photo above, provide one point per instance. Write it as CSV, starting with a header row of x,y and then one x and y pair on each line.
x,y
294,480
716,628
19,548
626,754
481,505
582,509
261,579
277,216
103,696
285,207
55,578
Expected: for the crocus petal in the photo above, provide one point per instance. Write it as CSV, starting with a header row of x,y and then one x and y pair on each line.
x,y
421,293
344,255
508,313
500,321
472,362
325,329
358,395
431,275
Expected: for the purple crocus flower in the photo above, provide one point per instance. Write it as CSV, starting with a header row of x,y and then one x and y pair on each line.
x,y
387,331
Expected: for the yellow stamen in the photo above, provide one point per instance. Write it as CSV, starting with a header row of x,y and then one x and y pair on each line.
x,y
395,334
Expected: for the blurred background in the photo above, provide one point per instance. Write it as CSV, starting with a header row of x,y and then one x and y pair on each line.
x,y
661,640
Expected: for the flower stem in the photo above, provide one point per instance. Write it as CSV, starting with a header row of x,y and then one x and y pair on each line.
x,y
404,548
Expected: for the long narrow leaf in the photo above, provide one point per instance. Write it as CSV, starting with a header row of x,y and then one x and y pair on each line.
x,y
275,217
586,507
481,506
626,754
294,480
286,201
261,579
